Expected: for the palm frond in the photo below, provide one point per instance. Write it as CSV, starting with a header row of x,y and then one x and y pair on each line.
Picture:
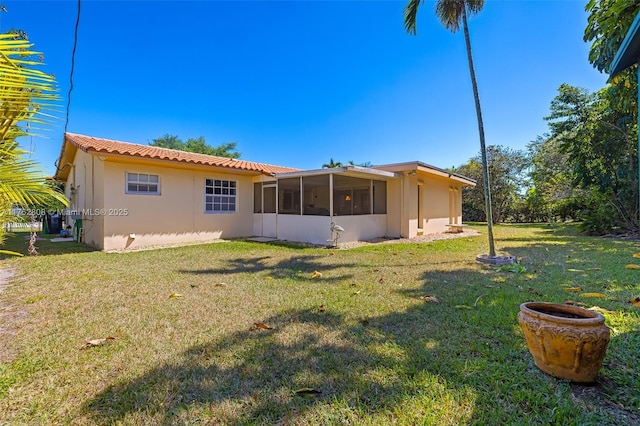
x,y
410,16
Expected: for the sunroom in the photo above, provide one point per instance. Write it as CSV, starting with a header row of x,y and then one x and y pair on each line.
x,y
324,206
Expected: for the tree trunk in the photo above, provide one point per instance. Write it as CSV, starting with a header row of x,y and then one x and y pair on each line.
x,y
483,149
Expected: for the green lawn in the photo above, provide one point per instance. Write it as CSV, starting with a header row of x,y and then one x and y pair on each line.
x,y
361,339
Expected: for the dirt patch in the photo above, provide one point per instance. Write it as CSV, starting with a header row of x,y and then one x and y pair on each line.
x,y
10,316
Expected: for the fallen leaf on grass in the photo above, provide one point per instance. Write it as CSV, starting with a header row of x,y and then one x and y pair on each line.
x,y
174,295
601,310
268,278
635,301
316,274
463,307
428,298
575,270
381,280
636,255
594,269
322,308
573,289
307,392
598,295
632,266
12,253
97,342
220,284
262,326
356,292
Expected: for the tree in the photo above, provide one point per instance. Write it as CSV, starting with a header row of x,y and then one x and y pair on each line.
x,y
599,142
452,13
332,164
508,171
25,94
197,145
554,195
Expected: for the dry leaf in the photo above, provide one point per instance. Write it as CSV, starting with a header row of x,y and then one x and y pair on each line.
x,y
221,284
316,274
322,308
428,298
601,310
632,266
357,292
381,280
269,278
97,342
575,270
594,269
262,326
635,301
573,289
174,295
636,255
598,295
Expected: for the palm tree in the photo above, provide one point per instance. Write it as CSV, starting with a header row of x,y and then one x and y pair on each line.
x,y
25,95
332,164
451,14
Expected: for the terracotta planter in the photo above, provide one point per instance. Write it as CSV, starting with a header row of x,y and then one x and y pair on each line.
x,y
565,341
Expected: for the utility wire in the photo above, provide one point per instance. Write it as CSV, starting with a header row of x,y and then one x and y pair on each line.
x,y
73,63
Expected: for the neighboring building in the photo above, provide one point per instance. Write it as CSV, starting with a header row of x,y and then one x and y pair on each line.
x,y
127,196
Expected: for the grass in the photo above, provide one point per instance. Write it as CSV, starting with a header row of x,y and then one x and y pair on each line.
x,y
361,335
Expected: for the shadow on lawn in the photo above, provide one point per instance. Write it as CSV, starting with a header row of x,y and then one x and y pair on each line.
x,y
19,242
252,376
301,267
466,350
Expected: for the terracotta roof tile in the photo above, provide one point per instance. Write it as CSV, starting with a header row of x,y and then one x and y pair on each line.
x,y
89,143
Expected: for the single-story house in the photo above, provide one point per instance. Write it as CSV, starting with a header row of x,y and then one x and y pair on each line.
x,y
128,196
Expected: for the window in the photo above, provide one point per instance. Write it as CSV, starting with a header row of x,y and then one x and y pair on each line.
x,y
220,196
142,183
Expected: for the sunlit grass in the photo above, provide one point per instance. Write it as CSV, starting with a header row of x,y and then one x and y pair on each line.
x,y
362,334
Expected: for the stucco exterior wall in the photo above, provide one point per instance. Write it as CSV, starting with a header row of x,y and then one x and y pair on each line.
x,y
87,197
437,205
177,215
394,211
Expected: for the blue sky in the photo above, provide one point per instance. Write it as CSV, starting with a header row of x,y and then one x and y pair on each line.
x,y
296,83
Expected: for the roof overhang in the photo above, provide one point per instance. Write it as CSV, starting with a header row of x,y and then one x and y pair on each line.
x,y
353,171
417,166
629,51
65,161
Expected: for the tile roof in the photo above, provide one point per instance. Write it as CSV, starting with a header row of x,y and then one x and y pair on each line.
x,y
91,144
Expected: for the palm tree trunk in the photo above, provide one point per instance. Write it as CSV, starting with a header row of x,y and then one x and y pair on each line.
x,y
483,149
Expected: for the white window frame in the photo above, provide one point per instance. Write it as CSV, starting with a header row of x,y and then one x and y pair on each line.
x,y
219,193
139,182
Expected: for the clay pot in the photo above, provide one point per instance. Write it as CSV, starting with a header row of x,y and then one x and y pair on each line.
x,y
565,341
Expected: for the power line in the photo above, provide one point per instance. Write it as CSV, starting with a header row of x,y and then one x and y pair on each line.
x,y
73,63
